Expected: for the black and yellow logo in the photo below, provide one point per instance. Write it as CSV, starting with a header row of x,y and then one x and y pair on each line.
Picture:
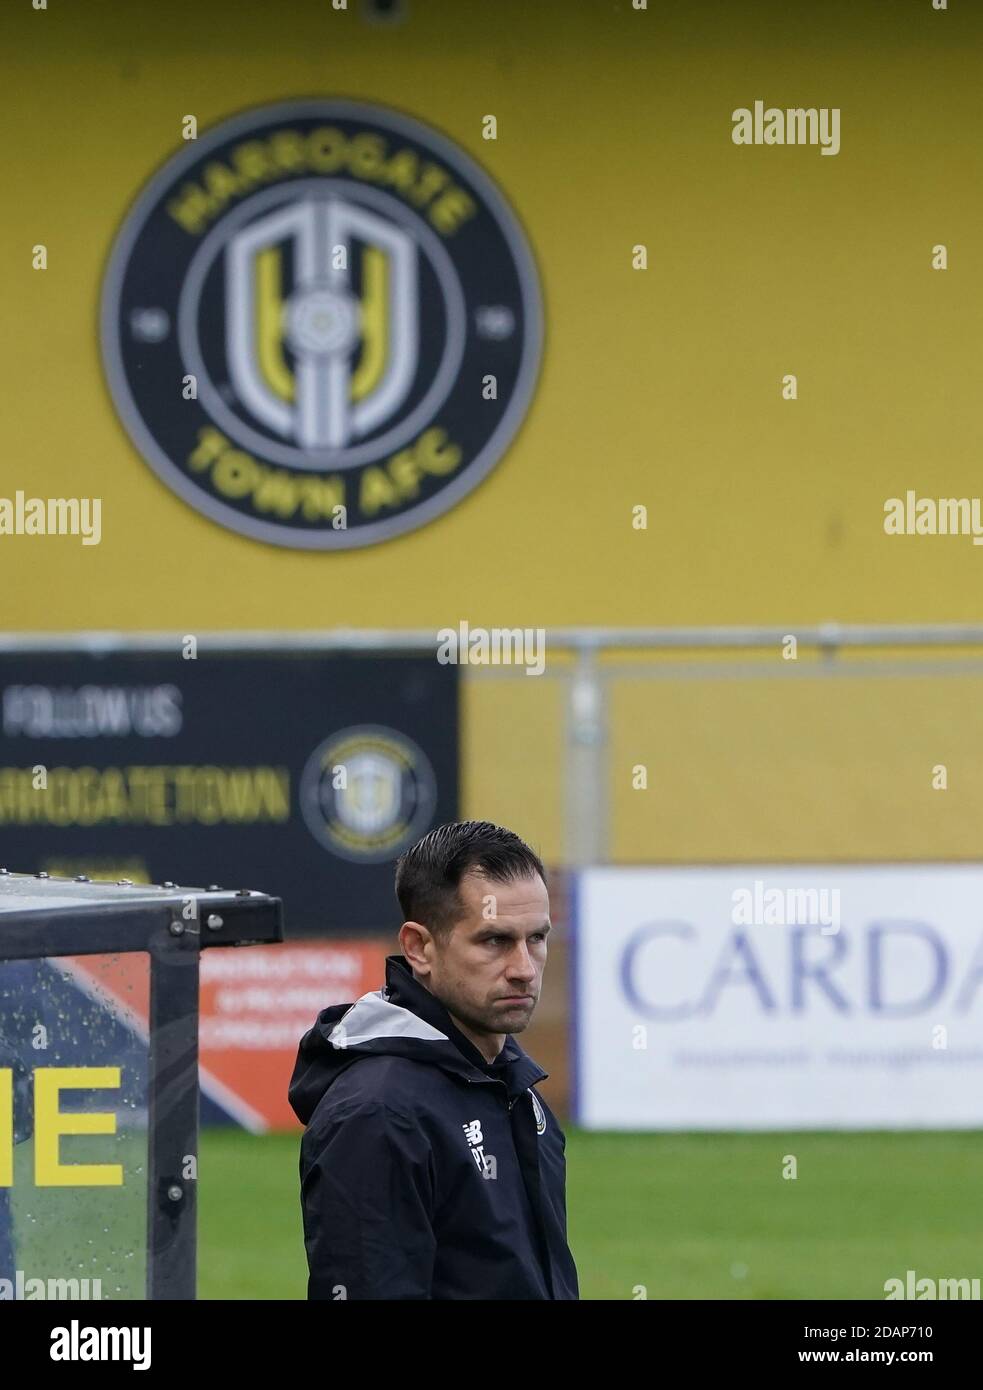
x,y
367,793
301,316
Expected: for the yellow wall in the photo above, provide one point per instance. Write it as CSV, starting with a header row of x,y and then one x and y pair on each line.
x,y
659,387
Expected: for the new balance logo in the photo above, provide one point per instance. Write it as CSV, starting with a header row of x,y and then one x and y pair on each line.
x,y
485,1162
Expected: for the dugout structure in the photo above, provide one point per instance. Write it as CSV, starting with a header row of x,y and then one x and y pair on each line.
x,y
99,1060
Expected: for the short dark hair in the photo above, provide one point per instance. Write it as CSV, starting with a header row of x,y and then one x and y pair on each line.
x,y
429,874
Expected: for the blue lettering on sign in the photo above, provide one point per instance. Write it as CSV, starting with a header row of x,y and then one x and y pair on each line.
x,y
629,955
815,961
818,970
878,931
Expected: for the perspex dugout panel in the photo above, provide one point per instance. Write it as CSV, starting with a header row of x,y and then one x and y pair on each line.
x,y
99,1079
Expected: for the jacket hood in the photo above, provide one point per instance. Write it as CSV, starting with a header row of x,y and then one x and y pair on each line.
x,y
403,1019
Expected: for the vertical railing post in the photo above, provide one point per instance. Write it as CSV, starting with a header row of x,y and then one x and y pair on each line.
x,y
586,811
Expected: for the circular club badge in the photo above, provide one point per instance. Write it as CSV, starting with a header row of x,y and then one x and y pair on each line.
x,y
321,324
367,793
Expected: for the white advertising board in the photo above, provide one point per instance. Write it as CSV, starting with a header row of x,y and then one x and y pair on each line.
x,y
774,997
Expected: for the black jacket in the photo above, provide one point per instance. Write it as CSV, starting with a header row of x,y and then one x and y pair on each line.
x,y
425,1171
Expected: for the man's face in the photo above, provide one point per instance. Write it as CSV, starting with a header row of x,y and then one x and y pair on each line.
x,y
489,971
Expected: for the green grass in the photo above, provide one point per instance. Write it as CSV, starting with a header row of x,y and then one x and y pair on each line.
x,y
685,1216
710,1216
250,1236
85,1232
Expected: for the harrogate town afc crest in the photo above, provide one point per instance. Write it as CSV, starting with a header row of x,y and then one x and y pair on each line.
x,y
321,324
367,793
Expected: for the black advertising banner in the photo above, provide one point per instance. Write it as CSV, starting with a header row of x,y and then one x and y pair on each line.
x,y
303,775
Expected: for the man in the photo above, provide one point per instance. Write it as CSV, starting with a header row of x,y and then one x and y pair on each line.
x,y
430,1168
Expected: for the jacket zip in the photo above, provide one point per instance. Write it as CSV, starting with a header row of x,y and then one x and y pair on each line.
x,y
495,1081
546,1262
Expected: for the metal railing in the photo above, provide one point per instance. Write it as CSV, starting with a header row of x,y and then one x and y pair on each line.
x,y
586,671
